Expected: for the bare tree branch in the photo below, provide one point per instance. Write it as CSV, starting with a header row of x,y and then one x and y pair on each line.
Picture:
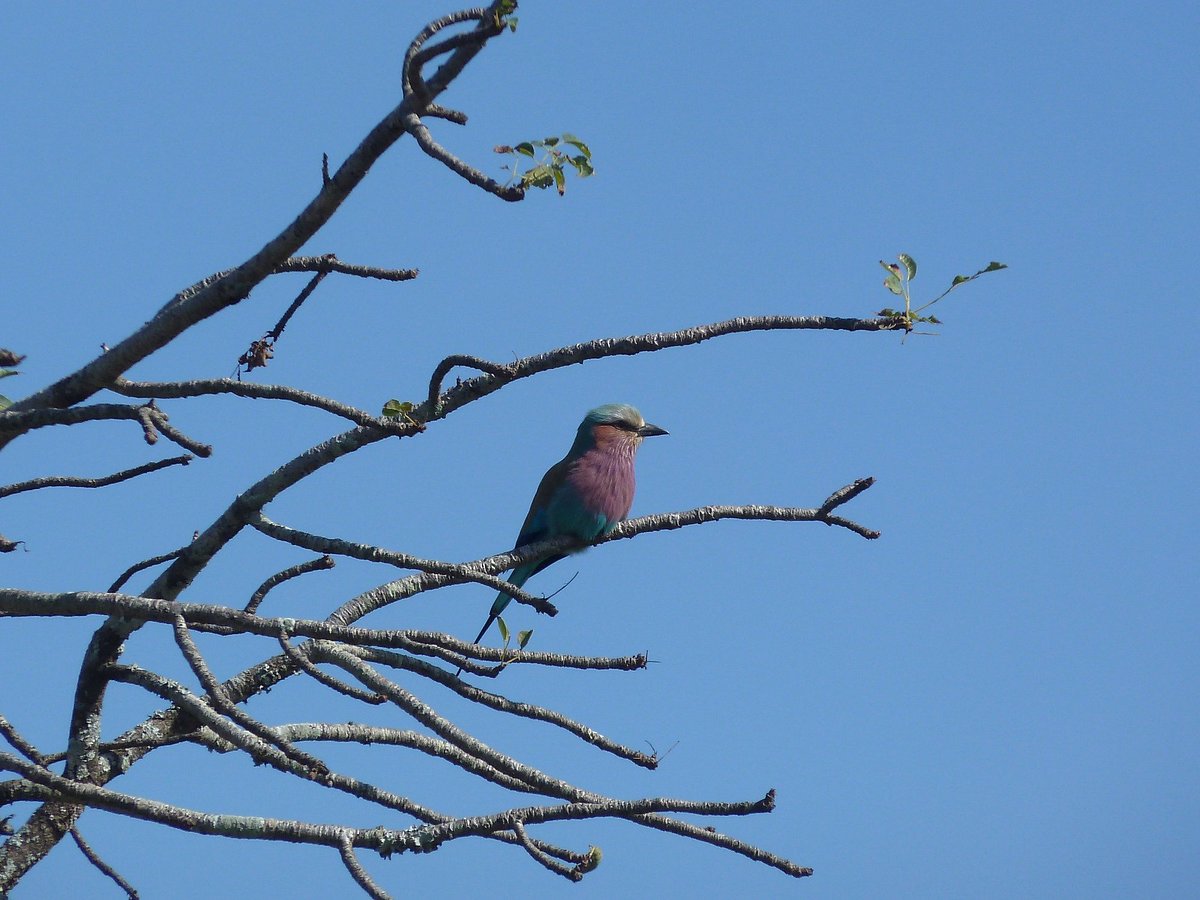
x,y
17,421
24,747
313,565
177,389
493,701
330,263
221,702
144,564
339,547
498,376
94,858
70,481
357,872
212,296
304,664
569,872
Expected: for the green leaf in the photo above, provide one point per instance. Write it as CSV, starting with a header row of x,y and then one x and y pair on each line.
x,y
582,166
5,403
394,409
892,283
909,264
578,145
4,373
538,176
503,630
525,148
933,319
591,861
550,141
994,266
560,180
512,23
523,638
959,279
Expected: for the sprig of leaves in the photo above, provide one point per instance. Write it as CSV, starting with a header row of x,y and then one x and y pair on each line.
x,y
504,17
551,157
901,275
522,637
402,409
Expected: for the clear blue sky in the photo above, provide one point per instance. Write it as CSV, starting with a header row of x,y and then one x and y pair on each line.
x,y
996,699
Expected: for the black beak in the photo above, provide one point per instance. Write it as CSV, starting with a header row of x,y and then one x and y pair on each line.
x,y
649,430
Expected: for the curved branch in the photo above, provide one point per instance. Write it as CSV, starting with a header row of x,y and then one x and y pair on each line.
x,y
313,565
70,481
357,872
144,564
302,662
424,139
459,359
468,391
176,389
458,574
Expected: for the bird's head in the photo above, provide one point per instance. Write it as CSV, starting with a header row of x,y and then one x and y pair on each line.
x,y
616,421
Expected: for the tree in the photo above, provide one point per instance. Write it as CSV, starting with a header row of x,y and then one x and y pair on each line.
x,y
210,712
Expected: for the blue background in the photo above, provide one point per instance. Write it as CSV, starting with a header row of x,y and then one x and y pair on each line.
x,y
996,699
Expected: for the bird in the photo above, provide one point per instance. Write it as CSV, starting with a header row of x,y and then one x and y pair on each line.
x,y
586,493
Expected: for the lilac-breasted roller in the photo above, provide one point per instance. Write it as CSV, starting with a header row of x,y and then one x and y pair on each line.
x,y
586,493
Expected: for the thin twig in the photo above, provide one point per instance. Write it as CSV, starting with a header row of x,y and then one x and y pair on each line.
x,y
144,564
501,704
304,294
571,873
452,571
26,749
265,751
94,858
72,481
177,389
171,433
313,565
603,348
221,701
304,664
450,362
330,263
415,127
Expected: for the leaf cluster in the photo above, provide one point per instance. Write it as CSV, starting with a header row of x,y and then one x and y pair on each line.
x,y
901,274
550,161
